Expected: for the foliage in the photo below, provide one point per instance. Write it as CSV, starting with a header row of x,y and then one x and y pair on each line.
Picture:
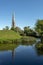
x,y
28,31
12,28
18,30
9,36
6,28
39,26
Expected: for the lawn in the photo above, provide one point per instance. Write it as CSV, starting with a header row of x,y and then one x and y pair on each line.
x,y
9,35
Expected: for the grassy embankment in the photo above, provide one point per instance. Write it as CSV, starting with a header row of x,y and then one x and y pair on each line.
x,y
8,36
12,39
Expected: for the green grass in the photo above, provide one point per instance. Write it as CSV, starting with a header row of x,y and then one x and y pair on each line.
x,y
9,35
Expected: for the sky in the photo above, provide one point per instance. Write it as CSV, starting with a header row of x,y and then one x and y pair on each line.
x,y
27,12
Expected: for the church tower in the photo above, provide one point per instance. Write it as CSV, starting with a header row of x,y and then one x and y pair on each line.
x,y
13,21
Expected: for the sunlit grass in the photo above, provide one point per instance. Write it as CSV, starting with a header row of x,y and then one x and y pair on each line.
x,y
8,34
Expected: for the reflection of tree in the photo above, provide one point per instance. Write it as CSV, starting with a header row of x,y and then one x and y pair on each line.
x,y
39,49
39,52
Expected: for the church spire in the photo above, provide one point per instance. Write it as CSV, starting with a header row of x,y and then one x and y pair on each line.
x,y
13,20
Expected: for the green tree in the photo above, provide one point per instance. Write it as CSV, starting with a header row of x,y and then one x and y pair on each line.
x,y
18,29
39,28
28,30
6,28
12,28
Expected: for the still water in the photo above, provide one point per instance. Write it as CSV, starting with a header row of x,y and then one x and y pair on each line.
x,y
22,55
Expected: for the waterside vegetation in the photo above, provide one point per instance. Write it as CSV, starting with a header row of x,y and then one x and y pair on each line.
x,y
9,36
16,35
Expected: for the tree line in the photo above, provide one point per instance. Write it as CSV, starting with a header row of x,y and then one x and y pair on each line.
x,y
27,31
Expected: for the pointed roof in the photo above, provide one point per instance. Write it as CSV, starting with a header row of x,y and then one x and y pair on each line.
x,y
13,21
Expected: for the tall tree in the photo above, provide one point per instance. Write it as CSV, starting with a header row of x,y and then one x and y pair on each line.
x,y
28,31
39,28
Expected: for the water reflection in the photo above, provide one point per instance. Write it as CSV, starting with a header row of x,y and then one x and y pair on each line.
x,y
39,52
7,57
39,48
22,55
13,53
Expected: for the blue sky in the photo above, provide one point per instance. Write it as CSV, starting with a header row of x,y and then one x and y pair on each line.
x,y
26,12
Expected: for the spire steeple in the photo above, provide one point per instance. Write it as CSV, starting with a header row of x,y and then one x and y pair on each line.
x,y
13,21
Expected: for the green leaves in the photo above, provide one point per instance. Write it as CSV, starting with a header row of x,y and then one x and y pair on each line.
x,y
39,26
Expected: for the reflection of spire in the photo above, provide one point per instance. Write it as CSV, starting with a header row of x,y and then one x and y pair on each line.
x,y
13,55
13,21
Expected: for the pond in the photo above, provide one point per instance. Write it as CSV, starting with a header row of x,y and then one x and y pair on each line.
x,y
22,55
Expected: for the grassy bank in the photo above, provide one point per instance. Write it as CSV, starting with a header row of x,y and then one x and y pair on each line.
x,y
12,39
9,36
